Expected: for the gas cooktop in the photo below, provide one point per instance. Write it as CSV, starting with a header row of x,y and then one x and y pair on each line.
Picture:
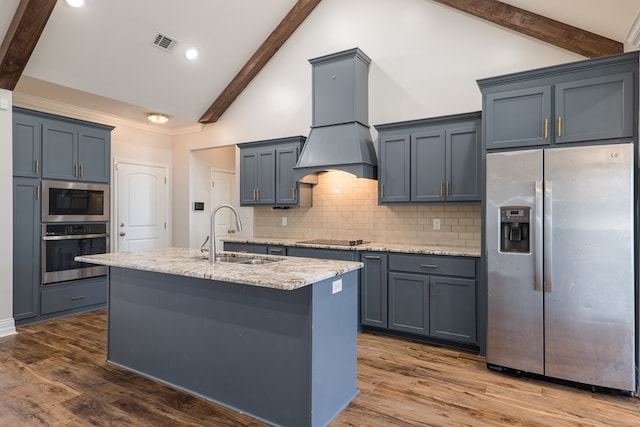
x,y
333,242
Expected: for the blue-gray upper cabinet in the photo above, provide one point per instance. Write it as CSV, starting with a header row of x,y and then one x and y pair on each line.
x,y
430,160
27,138
266,173
73,151
579,102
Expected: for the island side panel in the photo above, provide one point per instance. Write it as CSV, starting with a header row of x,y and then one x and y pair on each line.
x,y
246,347
334,341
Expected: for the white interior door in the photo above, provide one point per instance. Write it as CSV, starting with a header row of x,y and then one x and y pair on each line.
x,y
141,217
222,184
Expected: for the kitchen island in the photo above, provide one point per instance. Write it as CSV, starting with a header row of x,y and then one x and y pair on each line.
x,y
274,338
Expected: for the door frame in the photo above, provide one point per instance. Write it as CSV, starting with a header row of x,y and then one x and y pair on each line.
x,y
115,198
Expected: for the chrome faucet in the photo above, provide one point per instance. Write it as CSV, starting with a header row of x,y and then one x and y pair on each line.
x,y
212,241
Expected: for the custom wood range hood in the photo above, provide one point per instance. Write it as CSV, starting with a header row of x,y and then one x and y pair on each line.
x,y
340,137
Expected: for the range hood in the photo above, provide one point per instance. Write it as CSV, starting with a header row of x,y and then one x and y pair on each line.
x,y
340,137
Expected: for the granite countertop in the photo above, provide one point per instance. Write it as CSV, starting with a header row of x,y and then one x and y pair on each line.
x,y
369,246
287,273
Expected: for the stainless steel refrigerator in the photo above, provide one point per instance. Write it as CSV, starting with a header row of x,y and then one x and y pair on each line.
x,y
560,263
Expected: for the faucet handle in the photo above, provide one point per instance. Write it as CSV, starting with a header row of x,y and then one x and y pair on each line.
x,y
202,248
231,230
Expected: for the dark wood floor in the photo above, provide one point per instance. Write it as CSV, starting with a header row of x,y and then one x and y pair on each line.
x,y
54,374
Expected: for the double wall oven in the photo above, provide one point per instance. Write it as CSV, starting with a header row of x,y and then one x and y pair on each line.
x,y
75,221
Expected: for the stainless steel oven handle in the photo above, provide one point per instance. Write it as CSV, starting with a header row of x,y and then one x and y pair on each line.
x,y
75,236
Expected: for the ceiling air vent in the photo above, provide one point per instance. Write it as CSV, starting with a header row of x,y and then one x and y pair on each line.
x,y
165,43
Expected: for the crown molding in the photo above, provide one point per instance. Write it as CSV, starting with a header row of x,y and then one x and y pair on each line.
x,y
63,109
633,36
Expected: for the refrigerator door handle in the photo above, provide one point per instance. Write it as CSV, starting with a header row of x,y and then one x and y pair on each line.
x,y
548,248
537,244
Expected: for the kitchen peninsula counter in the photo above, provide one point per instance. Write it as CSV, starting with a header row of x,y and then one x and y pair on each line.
x,y
276,341
368,246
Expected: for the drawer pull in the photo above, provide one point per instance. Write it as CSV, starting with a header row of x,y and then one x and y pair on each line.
x,y
77,297
276,251
372,257
429,265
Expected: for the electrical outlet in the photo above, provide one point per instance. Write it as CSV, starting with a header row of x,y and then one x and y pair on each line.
x,y
436,224
284,221
336,286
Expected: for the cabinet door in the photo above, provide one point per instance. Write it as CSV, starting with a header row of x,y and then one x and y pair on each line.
x,y
266,183
463,164
26,247
59,151
286,185
27,138
452,311
592,109
428,166
94,155
409,303
518,118
248,177
393,170
373,290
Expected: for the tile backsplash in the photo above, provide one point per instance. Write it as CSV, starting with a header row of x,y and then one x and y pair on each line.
x,y
345,207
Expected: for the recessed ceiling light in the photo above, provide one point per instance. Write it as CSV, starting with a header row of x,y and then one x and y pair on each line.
x,y
75,3
191,53
158,118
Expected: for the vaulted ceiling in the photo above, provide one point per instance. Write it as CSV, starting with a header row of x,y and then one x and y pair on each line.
x,y
102,55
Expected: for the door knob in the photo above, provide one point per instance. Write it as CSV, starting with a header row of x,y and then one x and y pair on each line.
x,y
122,233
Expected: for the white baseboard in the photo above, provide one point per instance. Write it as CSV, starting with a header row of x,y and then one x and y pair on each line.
x,y
7,327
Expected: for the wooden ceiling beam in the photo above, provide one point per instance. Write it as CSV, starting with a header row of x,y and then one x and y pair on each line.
x,y
22,36
537,26
265,52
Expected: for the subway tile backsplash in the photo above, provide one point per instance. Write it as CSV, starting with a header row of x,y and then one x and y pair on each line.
x,y
345,207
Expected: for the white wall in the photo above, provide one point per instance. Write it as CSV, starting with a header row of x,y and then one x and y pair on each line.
x,y
200,164
425,59
7,325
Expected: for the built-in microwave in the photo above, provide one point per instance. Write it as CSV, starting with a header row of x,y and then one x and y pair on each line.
x,y
65,201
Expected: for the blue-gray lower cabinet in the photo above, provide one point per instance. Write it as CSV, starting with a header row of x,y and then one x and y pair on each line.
x,y
409,303
252,248
26,247
374,289
342,255
74,296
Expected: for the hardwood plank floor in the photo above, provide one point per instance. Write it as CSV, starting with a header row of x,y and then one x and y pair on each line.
x,y
55,374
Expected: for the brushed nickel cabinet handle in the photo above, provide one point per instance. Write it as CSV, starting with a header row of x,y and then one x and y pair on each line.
x,y
429,265
448,185
382,191
37,167
77,297
432,291
38,192
75,171
81,170
371,257
276,251
441,189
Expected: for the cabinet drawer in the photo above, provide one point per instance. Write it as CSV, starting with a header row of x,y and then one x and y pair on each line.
x,y
433,265
245,247
322,253
277,250
66,297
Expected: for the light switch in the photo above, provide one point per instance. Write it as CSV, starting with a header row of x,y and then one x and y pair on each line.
x,y
284,221
436,224
4,104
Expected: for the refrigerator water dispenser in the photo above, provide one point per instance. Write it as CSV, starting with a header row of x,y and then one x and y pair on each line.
x,y
514,229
